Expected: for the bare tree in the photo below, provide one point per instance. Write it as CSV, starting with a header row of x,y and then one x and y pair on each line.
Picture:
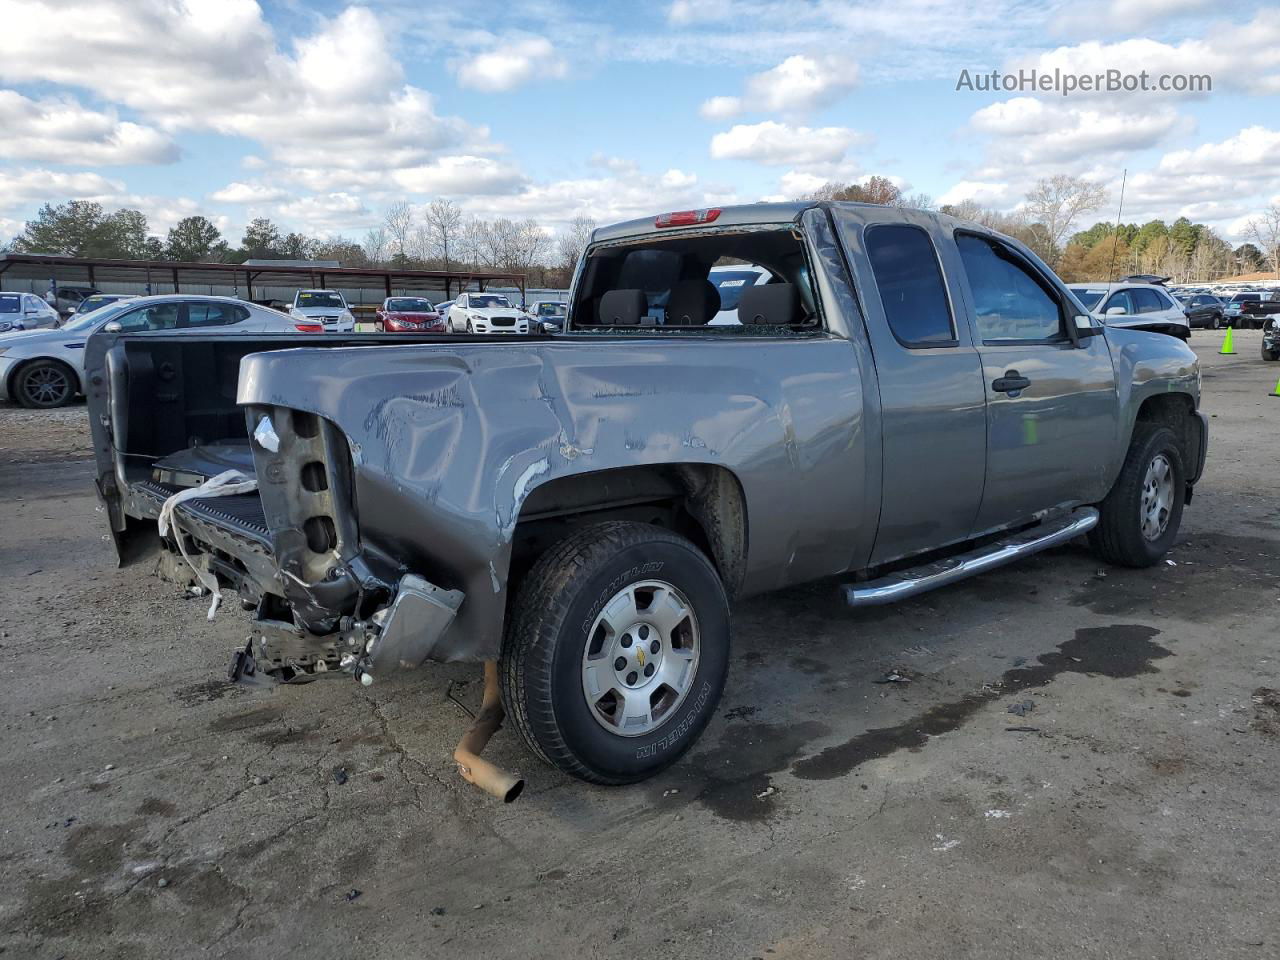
x,y
1053,205
444,220
1264,231
375,244
574,240
398,221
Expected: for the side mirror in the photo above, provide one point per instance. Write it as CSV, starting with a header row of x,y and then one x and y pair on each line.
x,y
1115,311
113,327
1085,327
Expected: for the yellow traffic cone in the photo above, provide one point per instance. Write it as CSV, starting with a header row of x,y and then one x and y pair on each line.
x,y
1227,348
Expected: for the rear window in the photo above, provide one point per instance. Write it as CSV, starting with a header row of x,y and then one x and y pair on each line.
x,y
911,287
10,303
1244,297
731,284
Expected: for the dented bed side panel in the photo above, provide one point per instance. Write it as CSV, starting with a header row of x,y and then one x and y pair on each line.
x,y
448,441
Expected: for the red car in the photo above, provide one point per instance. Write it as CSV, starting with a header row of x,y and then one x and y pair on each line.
x,y
408,315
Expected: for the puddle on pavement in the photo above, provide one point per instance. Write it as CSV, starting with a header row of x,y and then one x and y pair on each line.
x,y
1120,650
735,781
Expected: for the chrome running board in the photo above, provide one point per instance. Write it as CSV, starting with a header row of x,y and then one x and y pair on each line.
x,y
930,576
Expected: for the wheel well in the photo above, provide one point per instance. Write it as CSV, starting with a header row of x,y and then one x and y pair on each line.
x,y
18,368
699,501
1177,412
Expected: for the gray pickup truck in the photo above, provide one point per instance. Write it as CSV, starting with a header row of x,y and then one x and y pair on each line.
x,y
909,399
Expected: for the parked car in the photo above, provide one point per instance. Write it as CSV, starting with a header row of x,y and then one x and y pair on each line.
x,y
45,368
408,315
1271,338
1203,310
577,513
1144,306
25,311
98,300
69,298
547,316
318,311
731,281
486,313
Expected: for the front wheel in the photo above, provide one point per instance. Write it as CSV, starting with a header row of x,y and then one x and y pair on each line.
x,y
616,652
1140,516
44,384
1270,354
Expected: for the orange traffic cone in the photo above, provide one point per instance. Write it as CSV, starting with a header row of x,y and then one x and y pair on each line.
x,y
1227,348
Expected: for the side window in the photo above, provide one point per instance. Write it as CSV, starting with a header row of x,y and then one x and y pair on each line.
x,y
214,314
1011,302
907,274
159,316
1146,301
1121,300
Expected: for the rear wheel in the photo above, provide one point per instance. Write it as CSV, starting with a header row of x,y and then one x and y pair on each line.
x,y
616,653
44,384
1140,516
1215,322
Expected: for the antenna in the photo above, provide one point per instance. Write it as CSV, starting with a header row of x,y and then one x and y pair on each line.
x,y
1115,237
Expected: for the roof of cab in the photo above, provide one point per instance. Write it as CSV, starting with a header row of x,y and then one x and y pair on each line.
x,y
752,214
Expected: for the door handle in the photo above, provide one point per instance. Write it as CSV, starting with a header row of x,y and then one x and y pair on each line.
x,y
1012,383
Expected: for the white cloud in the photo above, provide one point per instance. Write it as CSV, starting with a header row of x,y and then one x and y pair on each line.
x,y
1126,14
337,96
771,142
461,175
1244,56
328,212
799,84
510,65
61,130
1037,132
683,12
1253,151
720,108
238,192
998,195
18,188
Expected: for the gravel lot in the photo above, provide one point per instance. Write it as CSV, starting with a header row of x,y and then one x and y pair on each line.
x,y
150,810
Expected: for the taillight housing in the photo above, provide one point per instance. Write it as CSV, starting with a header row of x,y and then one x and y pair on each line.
x,y
686,218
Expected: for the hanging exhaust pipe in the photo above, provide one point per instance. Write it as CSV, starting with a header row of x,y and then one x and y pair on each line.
x,y
489,778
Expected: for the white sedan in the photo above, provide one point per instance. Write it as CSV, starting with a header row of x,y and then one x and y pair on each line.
x,y
45,368
486,313
25,311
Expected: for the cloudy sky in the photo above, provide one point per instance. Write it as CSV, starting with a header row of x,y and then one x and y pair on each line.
x,y
319,114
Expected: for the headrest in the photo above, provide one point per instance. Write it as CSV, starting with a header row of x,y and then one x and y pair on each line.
x,y
693,302
773,303
622,308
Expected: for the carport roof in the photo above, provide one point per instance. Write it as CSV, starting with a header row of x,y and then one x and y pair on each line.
x,y
92,271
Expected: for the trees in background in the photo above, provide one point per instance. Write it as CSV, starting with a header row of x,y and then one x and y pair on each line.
x,y
195,239
877,189
1053,206
1264,231
82,228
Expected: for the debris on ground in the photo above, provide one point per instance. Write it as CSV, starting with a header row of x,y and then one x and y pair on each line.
x,y
1021,708
767,792
437,911
997,814
1021,729
340,775
894,676
352,894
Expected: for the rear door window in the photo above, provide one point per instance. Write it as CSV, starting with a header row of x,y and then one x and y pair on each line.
x,y
214,314
911,287
1010,300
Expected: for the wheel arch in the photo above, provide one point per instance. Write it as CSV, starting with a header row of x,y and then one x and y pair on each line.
x,y
1177,412
700,501
76,383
